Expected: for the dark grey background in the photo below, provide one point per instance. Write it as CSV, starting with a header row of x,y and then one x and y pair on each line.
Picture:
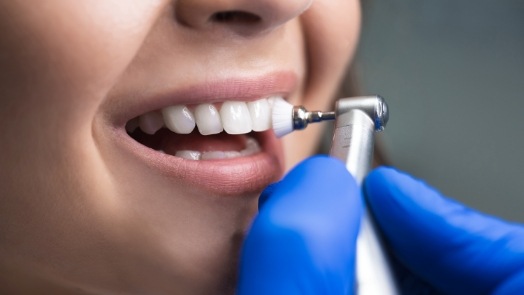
x,y
453,75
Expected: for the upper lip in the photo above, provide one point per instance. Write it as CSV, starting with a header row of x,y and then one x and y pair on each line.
x,y
229,89
228,176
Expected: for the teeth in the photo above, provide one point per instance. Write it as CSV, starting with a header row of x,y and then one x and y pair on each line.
x,y
179,119
190,155
252,147
260,114
151,122
208,119
219,155
235,117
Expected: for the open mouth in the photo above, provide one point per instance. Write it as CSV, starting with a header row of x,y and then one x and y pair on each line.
x,y
213,137
205,131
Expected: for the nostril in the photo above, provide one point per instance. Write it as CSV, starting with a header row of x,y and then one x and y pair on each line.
x,y
234,16
247,18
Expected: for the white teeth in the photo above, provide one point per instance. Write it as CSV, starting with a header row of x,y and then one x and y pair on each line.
x,y
179,119
260,114
220,155
252,148
235,117
208,119
212,155
190,155
151,122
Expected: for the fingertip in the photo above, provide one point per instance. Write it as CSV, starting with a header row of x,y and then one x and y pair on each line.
x,y
320,164
379,185
306,230
397,198
388,186
382,175
313,174
318,175
429,233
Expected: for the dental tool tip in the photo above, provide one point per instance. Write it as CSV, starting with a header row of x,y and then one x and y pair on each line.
x,y
282,117
287,117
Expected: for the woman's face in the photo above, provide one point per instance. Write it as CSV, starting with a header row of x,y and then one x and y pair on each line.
x,y
87,206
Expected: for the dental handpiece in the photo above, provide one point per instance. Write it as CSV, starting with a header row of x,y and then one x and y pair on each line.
x,y
356,119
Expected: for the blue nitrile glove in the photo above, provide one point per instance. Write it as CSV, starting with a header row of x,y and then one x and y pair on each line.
x,y
442,245
303,239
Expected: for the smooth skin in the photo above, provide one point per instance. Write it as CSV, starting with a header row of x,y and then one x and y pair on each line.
x,y
76,215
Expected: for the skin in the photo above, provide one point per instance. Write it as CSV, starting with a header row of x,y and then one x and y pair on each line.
x,y
77,216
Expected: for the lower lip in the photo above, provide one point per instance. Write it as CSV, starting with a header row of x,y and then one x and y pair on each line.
x,y
228,177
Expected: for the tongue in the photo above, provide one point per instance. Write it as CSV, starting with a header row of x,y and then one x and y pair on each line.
x,y
171,142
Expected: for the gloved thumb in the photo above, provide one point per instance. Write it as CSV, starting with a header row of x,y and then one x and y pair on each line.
x,y
303,239
455,249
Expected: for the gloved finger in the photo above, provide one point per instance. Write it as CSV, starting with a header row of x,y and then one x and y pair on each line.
x,y
456,249
303,239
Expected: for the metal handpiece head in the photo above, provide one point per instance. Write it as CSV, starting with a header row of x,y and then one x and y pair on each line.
x,y
374,106
302,117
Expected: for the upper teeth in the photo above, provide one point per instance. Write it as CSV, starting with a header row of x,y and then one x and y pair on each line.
x,y
235,117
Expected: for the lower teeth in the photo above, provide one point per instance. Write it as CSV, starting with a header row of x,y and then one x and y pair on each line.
x,y
252,147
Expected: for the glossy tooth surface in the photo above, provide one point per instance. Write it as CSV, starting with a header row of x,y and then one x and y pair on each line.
x,y
208,119
151,122
190,155
179,119
260,113
235,117
251,148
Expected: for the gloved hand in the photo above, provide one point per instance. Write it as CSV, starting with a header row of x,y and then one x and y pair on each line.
x,y
441,245
303,239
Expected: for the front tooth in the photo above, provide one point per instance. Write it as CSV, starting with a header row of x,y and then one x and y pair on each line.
x,y
260,114
150,122
235,117
208,119
179,119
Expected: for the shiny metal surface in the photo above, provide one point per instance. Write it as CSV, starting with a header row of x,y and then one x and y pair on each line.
x,y
302,117
374,106
356,121
353,142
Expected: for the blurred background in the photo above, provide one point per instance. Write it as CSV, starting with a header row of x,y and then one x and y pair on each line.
x,y
453,75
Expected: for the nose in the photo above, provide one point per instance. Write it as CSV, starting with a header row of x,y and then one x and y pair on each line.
x,y
244,17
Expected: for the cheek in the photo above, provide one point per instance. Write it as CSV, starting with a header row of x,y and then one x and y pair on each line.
x,y
332,29
64,55
58,59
